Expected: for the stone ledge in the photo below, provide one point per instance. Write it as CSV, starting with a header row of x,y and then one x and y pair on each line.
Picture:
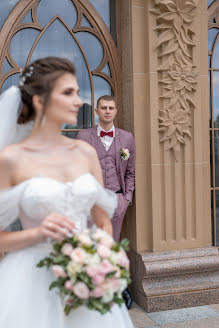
x,y
171,280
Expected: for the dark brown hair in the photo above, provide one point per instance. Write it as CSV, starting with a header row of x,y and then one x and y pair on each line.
x,y
107,98
39,79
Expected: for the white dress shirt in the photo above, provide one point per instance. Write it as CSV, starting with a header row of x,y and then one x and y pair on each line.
x,y
106,140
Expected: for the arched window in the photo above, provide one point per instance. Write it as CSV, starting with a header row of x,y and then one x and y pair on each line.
x,y
213,62
80,30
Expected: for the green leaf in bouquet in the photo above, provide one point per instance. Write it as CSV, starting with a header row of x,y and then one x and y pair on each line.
x,y
96,304
125,274
61,259
87,280
45,262
68,309
111,274
54,284
116,247
118,300
73,241
124,243
59,283
57,247
89,249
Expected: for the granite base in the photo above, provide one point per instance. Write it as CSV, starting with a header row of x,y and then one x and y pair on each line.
x,y
176,279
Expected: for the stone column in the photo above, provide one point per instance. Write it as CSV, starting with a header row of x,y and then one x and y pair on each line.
x,y
173,263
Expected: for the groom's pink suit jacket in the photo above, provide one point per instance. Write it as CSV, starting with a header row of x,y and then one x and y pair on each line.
x,y
124,172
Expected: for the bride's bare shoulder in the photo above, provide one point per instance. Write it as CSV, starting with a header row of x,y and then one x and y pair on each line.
x,y
85,146
8,159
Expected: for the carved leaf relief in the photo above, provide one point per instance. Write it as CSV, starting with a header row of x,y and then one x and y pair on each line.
x,y
177,73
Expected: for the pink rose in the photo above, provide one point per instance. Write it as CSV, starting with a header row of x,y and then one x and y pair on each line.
x,y
126,151
107,241
68,285
98,279
84,239
67,249
81,290
92,270
78,255
123,259
97,292
105,267
58,271
115,285
103,251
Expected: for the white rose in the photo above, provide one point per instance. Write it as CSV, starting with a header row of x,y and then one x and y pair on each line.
x,y
93,259
73,268
84,239
123,286
107,296
114,258
78,255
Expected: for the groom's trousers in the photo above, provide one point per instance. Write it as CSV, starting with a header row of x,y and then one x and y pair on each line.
x,y
119,215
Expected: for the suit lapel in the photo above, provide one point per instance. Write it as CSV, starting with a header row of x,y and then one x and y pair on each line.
x,y
118,147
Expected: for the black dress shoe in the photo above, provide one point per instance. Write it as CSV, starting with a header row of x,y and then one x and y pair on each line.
x,y
127,298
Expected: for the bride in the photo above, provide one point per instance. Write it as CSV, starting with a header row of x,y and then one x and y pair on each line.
x,y
53,184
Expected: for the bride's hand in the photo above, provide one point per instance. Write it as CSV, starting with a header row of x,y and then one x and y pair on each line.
x,y
55,226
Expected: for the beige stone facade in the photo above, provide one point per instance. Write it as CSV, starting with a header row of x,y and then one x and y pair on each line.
x,y
170,122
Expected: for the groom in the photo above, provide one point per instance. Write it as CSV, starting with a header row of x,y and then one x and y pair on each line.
x,y
116,151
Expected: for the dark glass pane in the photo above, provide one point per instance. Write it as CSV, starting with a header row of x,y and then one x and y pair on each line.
x,y
84,118
216,157
85,22
27,18
217,217
212,33
6,67
48,9
57,41
106,70
211,167
6,7
215,89
209,83
209,61
92,48
216,54
21,45
12,80
210,2
107,10
101,88
103,8
70,134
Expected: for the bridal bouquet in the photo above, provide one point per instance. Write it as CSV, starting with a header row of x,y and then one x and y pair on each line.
x,y
90,269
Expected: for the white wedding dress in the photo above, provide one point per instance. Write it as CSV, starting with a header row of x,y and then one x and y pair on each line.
x,y
25,301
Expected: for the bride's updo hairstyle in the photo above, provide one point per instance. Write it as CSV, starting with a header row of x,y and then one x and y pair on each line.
x,y
39,78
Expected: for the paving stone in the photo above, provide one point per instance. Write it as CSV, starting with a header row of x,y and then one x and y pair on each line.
x,y
204,323
215,306
182,315
140,317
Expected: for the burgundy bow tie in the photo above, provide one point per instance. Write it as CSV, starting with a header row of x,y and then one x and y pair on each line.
x,y
103,134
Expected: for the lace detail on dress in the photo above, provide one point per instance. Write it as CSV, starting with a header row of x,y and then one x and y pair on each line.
x,y
36,198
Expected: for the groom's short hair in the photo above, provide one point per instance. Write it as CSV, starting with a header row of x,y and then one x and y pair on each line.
x,y
107,98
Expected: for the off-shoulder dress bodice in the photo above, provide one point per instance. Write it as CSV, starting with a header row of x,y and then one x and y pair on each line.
x,y
37,197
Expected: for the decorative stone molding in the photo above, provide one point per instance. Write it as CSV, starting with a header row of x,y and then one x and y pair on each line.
x,y
177,279
176,71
